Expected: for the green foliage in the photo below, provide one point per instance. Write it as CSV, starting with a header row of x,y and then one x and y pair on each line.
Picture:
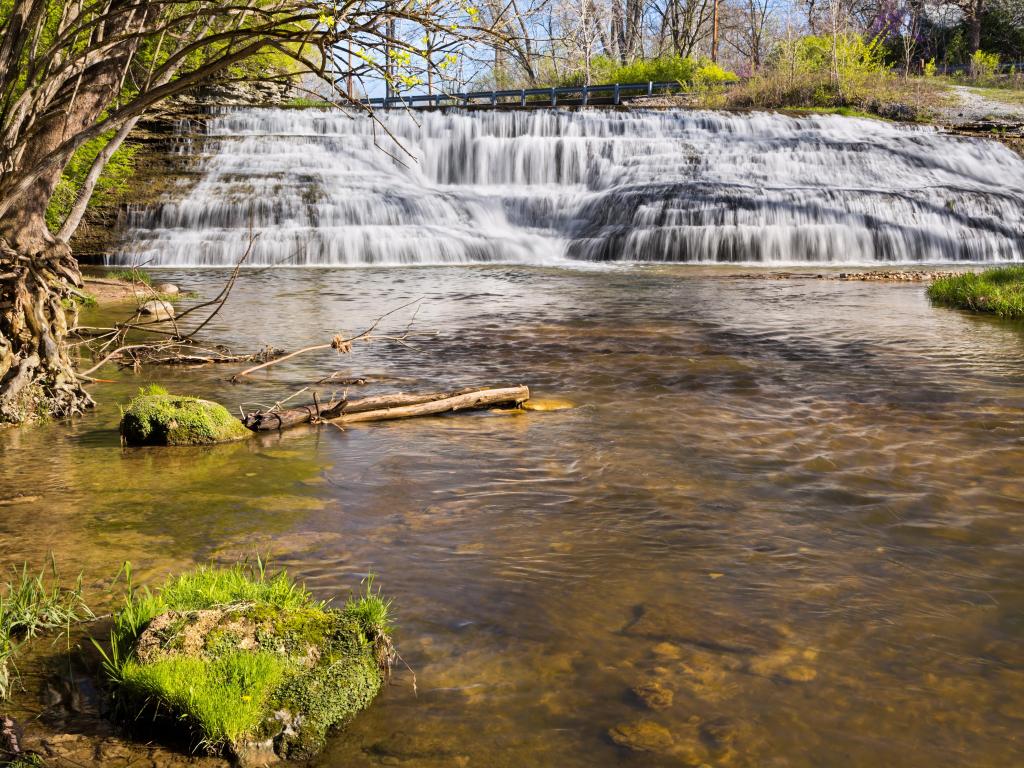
x,y
803,73
930,68
163,419
997,291
710,73
31,604
233,653
984,66
109,187
665,69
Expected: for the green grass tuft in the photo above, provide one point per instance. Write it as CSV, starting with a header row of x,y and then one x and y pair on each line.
x,y
997,291
132,275
31,604
371,610
226,697
209,587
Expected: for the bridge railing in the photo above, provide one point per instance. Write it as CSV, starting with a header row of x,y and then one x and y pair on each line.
x,y
523,97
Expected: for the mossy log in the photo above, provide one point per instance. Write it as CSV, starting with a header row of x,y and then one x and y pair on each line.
x,y
384,407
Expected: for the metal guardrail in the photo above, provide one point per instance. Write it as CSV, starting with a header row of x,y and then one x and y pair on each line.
x,y
542,97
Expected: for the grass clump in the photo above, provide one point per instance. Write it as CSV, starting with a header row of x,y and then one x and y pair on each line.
x,y
997,291
156,417
245,660
130,276
30,605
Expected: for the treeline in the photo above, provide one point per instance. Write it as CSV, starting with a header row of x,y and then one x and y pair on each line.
x,y
545,42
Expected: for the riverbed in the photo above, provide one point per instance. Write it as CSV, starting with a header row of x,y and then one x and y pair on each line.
x,y
781,527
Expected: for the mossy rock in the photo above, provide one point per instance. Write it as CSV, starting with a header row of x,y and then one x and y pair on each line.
x,y
260,677
159,418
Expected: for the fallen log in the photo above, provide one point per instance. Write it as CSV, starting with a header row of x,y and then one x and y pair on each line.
x,y
382,407
462,401
268,421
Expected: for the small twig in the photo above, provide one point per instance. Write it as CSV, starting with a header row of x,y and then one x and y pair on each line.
x,y
339,343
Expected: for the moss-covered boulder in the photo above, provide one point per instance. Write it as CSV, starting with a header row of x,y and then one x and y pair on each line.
x,y
250,666
156,417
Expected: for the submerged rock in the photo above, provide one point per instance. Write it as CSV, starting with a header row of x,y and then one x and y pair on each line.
x,y
158,310
250,667
654,694
547,404
159,418
643,736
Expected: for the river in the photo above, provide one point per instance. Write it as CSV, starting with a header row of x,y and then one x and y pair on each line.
x,y
793,504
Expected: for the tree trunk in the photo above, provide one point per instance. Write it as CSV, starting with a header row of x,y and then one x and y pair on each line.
x,y
37,270
977,11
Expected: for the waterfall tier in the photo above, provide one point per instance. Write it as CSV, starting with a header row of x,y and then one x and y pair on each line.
x,y
330,188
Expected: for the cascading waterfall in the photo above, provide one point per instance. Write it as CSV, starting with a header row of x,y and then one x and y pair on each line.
x,y
330,188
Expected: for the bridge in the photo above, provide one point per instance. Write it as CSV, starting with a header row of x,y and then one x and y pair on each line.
x,y
570,95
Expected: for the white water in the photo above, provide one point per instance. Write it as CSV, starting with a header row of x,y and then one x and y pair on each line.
x,y
545,186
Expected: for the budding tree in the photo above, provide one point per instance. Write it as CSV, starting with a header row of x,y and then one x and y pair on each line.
x,y
75,70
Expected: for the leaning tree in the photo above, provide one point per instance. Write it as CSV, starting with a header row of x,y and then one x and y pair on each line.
x,y
75,70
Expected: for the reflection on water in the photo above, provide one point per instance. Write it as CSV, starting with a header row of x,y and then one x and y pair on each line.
x,y
782,528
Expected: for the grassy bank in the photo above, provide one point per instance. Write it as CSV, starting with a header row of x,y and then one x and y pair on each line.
x,y
995,291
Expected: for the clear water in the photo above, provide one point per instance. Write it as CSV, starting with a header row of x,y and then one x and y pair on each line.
x,y
796,504
543,187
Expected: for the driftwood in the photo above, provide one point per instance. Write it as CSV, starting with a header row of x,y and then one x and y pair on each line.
x,y
460,401
268,421
383,407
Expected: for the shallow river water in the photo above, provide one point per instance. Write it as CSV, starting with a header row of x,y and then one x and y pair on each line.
x,y
789,513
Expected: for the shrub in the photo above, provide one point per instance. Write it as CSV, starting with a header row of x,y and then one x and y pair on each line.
x,y
664,69
984,66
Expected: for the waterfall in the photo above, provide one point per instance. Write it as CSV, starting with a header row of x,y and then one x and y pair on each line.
x,y
538,187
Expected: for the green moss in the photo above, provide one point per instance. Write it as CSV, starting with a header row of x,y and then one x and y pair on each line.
x,y
240,658
995,291
164,419
330,694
